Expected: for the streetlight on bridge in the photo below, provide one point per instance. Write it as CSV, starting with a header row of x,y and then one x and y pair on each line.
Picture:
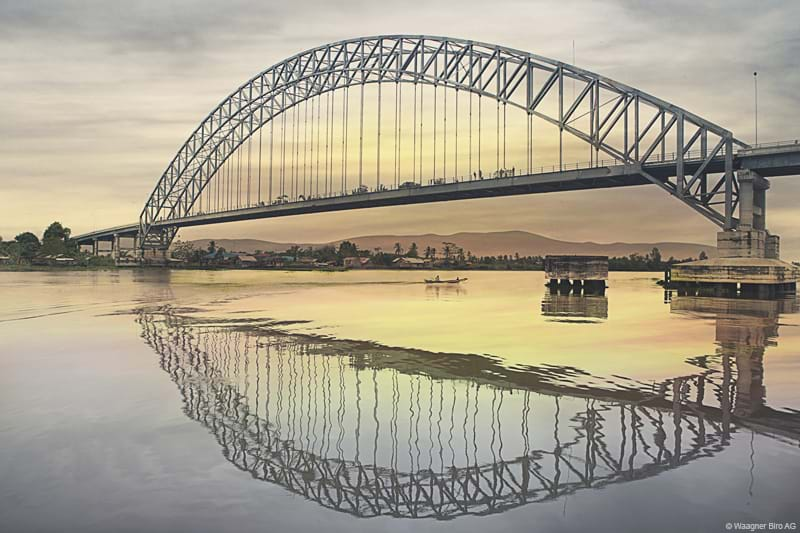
x,y
755,87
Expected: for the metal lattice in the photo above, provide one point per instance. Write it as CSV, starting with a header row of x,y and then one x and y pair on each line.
x,y
665,144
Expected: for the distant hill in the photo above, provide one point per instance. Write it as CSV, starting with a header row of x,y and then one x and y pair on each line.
x,y
492,243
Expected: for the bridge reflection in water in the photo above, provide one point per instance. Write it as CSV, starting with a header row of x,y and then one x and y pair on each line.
x,y
744,329
371,430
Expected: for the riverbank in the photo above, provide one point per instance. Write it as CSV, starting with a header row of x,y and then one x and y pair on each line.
x,y
482,268
47,268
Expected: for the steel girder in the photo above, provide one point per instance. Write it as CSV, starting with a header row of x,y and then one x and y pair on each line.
x,y
621,122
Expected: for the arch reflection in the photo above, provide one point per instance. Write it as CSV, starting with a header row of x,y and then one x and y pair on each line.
x,y
371,430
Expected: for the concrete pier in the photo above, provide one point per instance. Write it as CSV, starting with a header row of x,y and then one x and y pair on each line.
x,y
576,273
748,261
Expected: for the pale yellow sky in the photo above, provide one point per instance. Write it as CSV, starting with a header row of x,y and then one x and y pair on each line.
x,y
98,96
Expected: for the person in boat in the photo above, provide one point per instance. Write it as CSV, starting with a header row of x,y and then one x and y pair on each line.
x,y
437,277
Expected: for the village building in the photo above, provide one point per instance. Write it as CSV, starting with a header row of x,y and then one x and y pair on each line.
x,y
53,260
270,260
247,261
409,262
355,262
219,257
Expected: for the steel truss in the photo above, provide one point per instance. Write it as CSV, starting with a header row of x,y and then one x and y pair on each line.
x,y
624,123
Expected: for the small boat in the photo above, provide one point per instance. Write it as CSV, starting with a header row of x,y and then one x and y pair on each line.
x,y
436,280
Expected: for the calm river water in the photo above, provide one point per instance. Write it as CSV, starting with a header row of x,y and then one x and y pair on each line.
x,y
368,401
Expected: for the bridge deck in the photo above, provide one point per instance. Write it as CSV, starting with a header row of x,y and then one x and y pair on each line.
x,y
780,159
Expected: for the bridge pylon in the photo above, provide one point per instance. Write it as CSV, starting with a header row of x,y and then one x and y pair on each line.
x,y
152,247
750,237
748,255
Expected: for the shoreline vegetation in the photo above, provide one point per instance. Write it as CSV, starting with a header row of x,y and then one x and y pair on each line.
x,y
56,250
347,256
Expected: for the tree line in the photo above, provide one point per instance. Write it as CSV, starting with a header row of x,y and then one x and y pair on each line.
x,y
27,248
449,256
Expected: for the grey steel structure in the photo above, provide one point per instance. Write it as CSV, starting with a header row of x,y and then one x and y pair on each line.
x,y
634,138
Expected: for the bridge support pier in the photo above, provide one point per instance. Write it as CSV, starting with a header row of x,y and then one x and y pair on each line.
x,y
115,248
576,273
153,256
748,257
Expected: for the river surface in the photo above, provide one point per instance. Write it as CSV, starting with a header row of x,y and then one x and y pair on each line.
x,y
146,400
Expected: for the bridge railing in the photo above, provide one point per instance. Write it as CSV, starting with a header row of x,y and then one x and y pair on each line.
x,y
774,144
502,173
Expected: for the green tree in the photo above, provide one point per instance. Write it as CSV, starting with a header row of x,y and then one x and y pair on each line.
x,y
53,246
56,241
413,251
185,251
28,245
347,249
447,250
325,254
212,247
56,231
27,238
655,257
702,255
11,249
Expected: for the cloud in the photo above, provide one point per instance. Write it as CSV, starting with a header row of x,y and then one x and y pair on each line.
x,y
98,96
185,26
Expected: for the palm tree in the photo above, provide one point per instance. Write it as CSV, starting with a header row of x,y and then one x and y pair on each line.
x,y
398,250
448,250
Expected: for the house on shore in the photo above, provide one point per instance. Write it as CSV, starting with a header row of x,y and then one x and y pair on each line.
x,y
355,262
54,260
409,262
233,259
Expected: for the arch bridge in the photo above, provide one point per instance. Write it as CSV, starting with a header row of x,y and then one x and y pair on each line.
x,y
402,119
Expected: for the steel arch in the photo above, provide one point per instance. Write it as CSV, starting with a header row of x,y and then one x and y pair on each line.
x,y
509,76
